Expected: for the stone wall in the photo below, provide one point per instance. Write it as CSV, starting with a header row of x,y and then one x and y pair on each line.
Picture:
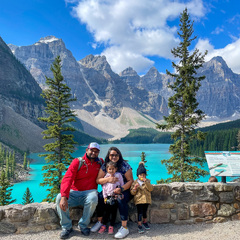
x,y
177,203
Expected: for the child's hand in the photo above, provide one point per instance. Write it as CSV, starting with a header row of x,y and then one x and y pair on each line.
x,y
105,200
144,179
136,186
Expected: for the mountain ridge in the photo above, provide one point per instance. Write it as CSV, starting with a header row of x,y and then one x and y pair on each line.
x,y
103,93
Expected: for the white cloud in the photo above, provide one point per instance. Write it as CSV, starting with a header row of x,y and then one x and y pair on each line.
x,y
218,30
230,53
133,30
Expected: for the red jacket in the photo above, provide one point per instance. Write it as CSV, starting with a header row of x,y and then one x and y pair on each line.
x,y
82,179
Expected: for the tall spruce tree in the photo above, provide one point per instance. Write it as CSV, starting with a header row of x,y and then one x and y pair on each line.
x,y
185,115
5,190
58,156
27,197
25,161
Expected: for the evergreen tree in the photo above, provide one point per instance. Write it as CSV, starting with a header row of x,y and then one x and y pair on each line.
x,y
7,166
1,156
13,164
185,115
143,159
5,190
27,197
57,97
25,161
28,164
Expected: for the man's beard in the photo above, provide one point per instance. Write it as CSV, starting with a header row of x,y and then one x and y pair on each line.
x,y
91,158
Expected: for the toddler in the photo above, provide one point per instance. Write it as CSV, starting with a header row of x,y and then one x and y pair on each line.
x,y
110,206
141,189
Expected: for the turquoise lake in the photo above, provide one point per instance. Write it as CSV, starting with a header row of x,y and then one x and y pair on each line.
x,y
131,152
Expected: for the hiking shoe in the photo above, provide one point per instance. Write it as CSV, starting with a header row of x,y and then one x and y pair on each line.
x,y
85,231
122,233
140,229
110,230
146,226
65,233
102,229
96,227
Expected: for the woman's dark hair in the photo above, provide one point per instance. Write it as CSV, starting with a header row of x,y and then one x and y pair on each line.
x,y
113,164
120,161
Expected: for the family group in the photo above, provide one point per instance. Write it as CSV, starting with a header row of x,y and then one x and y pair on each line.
x,y
114,174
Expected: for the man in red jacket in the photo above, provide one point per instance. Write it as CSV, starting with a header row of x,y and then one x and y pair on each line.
x,y
79,187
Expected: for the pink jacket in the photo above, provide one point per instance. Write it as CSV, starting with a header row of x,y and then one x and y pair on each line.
x,y
108,188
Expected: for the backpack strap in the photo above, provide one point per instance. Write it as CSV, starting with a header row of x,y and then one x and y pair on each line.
x,y
81,162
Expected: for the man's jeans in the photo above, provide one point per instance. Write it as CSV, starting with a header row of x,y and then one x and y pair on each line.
x,y
88,199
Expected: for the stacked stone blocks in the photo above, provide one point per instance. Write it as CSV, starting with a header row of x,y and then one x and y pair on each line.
x,y
176,203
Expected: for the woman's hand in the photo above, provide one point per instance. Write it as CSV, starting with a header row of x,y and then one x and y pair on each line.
x,y
112,179
117,191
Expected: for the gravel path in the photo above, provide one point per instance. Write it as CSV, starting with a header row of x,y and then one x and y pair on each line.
x,y
215,231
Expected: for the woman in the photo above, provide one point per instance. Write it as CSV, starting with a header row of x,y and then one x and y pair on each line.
x,y
125,169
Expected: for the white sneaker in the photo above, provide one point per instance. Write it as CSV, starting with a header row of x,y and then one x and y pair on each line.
x,y
122,233
96,227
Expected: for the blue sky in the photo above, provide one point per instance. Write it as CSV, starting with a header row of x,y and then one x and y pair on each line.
x,y
136,33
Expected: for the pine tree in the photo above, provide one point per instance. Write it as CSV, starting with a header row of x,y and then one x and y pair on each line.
x,y
5,190
27,197
57,97
13,164
1,156
25,161
7,166
185,115
143,159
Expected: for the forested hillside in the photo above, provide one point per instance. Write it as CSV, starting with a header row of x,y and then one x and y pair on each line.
x,y
220,137
146,135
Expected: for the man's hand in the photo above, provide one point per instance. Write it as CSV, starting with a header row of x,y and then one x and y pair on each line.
x,y
63,204
112,179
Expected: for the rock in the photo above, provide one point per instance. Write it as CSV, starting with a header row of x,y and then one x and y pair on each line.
x,y
237,192
7,228
183,212
1,214
220,187
183,197
19,213
159,216
161,192
226,197
202,209
45,214
207,195
236,217
226,210
219,220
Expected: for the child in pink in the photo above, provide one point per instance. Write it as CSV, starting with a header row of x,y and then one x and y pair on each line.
x,y
110,206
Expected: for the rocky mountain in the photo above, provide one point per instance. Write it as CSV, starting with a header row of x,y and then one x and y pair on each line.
x,y
109,104
219,94
20,104
99,91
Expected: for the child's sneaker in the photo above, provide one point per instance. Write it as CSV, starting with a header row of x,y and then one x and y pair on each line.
x,y
102,229
140,229
96,227
110,230
146,226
